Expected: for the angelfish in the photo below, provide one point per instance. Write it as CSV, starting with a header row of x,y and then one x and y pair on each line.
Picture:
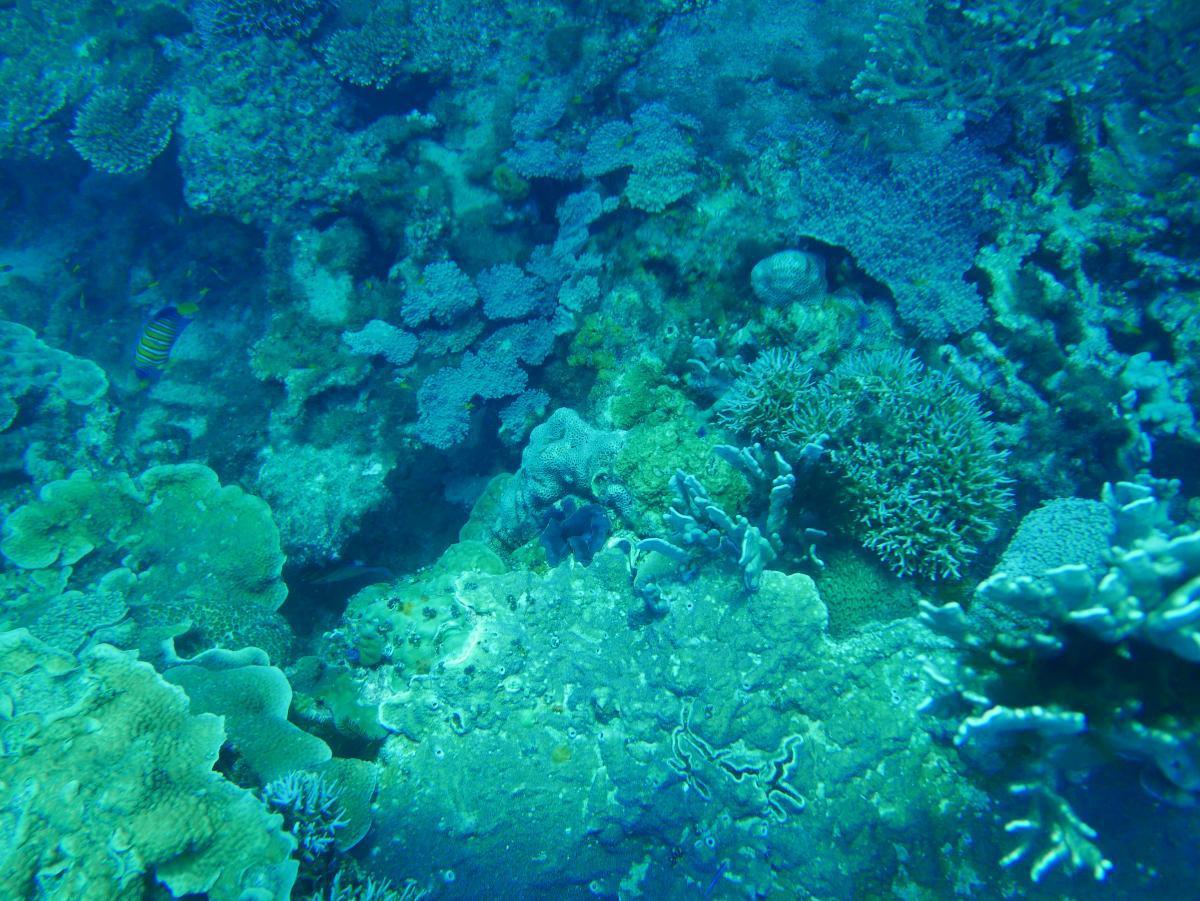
x,y
158,336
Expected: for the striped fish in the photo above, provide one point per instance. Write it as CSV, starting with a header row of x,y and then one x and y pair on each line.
x,y
158,337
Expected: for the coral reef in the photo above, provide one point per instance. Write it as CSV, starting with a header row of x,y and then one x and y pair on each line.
x,y
616,448
1122,612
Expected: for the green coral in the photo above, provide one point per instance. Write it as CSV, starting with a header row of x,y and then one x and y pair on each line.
x,y
187,554
109,785
912,455
654,451
68,520
857,591
38,377
254,699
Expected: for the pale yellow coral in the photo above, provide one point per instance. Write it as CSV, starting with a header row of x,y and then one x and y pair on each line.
x,y
109,786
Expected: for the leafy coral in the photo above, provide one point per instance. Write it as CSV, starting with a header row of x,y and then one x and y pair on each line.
x,y
112,786
190,556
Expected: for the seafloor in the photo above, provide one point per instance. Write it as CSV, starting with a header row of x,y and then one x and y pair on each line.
x,y
700,449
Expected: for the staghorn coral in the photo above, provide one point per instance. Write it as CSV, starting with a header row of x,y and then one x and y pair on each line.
x,y
311,811
234,19
970,60
245,152
413,37
912,454
759,404
372,55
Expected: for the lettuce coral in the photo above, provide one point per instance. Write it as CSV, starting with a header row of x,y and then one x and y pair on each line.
x,y
187,554
110,786
253,698
36,373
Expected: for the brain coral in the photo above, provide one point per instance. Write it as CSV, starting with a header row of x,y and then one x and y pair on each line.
x,y
109,786
1060,532
789,276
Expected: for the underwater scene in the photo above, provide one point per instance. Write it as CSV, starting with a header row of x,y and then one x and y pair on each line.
x,y
667,449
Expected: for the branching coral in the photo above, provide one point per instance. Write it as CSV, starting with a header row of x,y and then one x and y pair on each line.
x,y
655,146
412,37
233,19
119,132
968,60
311,811
913,454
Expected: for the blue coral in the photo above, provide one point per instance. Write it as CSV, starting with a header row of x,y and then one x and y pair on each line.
x,y
912,222
655,145
233,19
446,398
443,293
508,293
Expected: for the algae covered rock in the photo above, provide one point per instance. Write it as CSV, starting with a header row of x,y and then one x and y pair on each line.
x,y
316,524
110,786
424,622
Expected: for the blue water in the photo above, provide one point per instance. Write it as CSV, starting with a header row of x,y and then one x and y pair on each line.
x,y
660,448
